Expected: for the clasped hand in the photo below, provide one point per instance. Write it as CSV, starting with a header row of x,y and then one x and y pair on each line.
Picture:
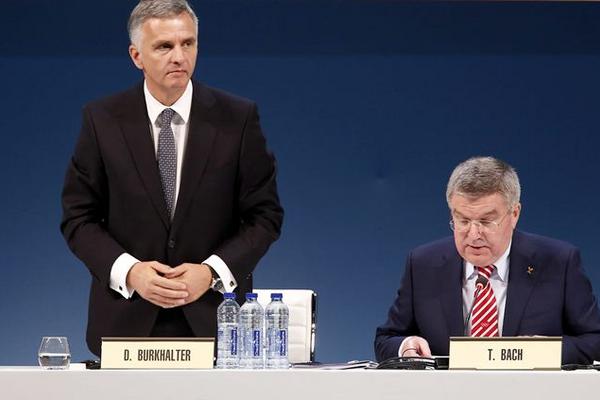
x,y
169,287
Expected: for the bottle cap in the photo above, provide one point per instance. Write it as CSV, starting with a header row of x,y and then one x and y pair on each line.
x,y
251,296
229,296
276,296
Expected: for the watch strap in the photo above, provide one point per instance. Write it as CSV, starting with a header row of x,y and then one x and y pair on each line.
x,y
217,283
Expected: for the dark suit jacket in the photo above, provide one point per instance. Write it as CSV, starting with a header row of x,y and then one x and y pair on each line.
x,y
113,203
556,299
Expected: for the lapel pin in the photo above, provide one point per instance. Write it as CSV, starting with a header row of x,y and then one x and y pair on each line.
x,y
530,270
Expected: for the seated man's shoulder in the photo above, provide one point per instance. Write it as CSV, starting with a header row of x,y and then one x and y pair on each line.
x,y
542,244
441,247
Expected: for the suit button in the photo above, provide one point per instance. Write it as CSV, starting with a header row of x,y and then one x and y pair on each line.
x,y
171,243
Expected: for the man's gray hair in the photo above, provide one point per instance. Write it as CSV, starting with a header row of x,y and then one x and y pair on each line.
x,y
147,9
482,176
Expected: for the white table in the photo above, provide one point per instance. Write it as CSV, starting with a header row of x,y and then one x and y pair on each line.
x,y
33,383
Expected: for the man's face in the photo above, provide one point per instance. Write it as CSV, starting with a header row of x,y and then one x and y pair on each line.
x,y
483,245
167,55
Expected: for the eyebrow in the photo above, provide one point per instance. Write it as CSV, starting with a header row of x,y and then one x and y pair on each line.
x,y
484,216
190,39
161,42
490,214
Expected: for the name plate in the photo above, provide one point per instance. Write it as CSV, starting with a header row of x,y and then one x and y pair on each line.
x,y
157,353
507,353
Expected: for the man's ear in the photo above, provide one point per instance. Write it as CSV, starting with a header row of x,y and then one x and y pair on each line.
x,y
136,56
516,213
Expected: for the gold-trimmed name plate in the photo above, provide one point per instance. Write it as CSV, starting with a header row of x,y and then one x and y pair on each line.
x,y
157,353
506,353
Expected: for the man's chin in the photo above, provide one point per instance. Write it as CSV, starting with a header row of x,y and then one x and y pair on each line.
x,y
178,76
179,83
478,259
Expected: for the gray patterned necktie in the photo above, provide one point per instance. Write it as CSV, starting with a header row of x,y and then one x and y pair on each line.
x,y
167,158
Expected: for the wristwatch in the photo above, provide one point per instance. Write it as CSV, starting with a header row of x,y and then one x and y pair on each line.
x,y
217,283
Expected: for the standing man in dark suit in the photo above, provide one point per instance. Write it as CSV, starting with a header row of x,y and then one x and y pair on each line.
x,y
170,197
490,279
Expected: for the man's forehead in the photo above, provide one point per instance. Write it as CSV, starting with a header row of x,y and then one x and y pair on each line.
x,y
482,205
179,22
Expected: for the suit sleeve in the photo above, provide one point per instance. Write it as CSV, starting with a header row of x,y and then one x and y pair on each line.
x,y
84,202
258,202
581,339
400,322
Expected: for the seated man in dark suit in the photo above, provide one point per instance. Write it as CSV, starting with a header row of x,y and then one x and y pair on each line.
x,y
490,279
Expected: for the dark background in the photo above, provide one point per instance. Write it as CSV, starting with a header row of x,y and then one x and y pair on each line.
x,y
368,105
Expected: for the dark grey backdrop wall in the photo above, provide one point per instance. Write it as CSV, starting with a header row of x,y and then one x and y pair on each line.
x,y
368,105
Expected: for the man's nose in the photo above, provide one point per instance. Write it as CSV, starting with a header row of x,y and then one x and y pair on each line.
x,y
474,230
177,54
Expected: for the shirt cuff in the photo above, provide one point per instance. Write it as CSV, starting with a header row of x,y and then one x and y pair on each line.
x,y
216,263
118,274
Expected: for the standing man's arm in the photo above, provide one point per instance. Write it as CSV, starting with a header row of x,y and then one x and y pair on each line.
x,y
85,207
258,202
260,213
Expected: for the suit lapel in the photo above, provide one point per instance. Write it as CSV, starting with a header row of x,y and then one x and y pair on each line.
x,y
521,281
450,281
200,141
136,131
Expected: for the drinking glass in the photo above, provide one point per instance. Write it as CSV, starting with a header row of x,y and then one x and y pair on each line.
x,y
54,353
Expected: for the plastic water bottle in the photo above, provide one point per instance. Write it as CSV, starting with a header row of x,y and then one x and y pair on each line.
x,y
228,321
251,327
277,318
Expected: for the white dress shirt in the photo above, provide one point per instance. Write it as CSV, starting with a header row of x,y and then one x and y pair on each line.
x,y
180,125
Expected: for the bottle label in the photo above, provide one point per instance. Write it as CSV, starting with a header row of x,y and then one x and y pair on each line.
x,y
256,345
234,342
283,342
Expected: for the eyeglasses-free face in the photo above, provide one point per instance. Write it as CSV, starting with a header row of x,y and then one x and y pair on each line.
x,y
167,55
